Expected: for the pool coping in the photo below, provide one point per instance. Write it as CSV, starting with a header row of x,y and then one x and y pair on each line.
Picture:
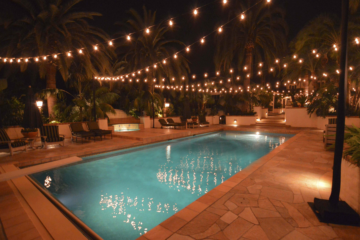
x,y
184,216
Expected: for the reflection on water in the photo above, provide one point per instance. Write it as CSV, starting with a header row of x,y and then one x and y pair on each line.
x,y
129,193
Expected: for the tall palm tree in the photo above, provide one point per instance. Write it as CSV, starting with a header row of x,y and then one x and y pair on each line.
x,y
261,36
50,27
145,49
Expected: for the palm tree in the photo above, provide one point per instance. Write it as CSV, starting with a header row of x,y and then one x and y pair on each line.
x,y
145,49
50,27
261,36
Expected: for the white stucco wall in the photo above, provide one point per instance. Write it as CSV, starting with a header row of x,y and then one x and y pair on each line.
x,y
241,120
350,185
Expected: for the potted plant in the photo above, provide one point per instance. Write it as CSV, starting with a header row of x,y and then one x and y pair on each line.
x,y
194,119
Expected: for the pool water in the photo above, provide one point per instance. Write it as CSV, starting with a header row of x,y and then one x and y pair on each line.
x,y
124,194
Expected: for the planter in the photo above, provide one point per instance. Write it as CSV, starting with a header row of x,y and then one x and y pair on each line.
x,y
194,120
29,134
350,185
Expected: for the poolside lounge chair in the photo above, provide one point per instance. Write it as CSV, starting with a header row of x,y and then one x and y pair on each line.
x,y
94,127
171,121
50,134
11,145
203,122
77,131
190,124
165,124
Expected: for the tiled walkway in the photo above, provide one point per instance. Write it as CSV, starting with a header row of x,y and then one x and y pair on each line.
x,y
267,200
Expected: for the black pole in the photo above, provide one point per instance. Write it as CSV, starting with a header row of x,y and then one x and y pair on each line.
x,y
94,107
340,122
333,210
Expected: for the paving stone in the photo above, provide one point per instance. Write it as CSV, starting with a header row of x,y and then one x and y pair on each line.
x,y
176,236
275,228
249,216
245,200
186,214
229,217
297,216
329,231
211,231
173,223
237,228
298,198
347,232
238,210
276,203
217,211
222,225
255,233
219,236
262,213
264,203
277,194
295,235
314,233
230,205
254,189
199,224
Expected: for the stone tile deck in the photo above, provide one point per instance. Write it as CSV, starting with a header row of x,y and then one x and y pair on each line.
x,y
267,200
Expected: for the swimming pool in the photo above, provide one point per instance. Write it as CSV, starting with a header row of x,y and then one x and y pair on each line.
x,y
124,194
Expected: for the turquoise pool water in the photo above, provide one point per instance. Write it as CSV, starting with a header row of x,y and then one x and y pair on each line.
x,y
124,194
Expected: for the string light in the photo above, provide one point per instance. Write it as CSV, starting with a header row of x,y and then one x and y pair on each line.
x,y
96,48
202,40
80,51
260,64
148,31
128,38
224,1
110,43
220,29
242,16
36,59
171,23
55,56
69,54
164,62
217,73
188,49
175,56
357,41
295,56
195,12
44,58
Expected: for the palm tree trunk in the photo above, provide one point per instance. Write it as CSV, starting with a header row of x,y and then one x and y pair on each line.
x,y
51,84
249,62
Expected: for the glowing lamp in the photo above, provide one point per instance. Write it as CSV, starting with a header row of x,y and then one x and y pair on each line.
x,y
39,104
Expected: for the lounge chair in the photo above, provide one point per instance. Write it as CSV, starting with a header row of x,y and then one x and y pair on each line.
x,y
94,127
165,124
190,124
203,122
11,145
77,131
171,121
50,134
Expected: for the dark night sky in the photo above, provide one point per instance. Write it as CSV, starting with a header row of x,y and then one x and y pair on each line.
x,y
188,29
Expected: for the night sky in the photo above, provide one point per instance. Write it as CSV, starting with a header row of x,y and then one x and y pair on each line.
x,y
189,29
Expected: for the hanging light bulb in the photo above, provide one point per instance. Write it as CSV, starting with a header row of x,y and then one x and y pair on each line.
x,y
295,56
259,72
194,76
277,61
231,70
242,16
188,49
220,29
202,40
195,12
217,73
139,71
238,78
285,65
245,68
147,30
224,1
110,43
260,64
44,57
206,75
175,56
171,23
19,60
155,66
96,48
268,1
36,59
26,60
80,51
55,56
357,41
300,61
164,62
350,68
69,54
128,37
271,69
11,60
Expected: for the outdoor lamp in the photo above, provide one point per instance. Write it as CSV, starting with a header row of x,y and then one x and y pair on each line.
x,y
39,104
167,105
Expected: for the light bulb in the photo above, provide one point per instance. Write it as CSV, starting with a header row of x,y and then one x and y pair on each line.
x,y
96,48
231,71
295,56
220,29
128,37
203,40
55,56
195,12
194,76
164,62
285,65
217,73
175,56
147,30
80,51
242,16
19,60
110,43
36,59
44,57
69,54
188,49
26,60
224,1
155,66
171,23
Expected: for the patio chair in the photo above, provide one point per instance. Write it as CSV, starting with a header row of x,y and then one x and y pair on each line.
x,y
50,134
171,121
77,131
11,145
165,124
203,122
94,127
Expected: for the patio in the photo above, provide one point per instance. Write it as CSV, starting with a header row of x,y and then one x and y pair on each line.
x,y
267,200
